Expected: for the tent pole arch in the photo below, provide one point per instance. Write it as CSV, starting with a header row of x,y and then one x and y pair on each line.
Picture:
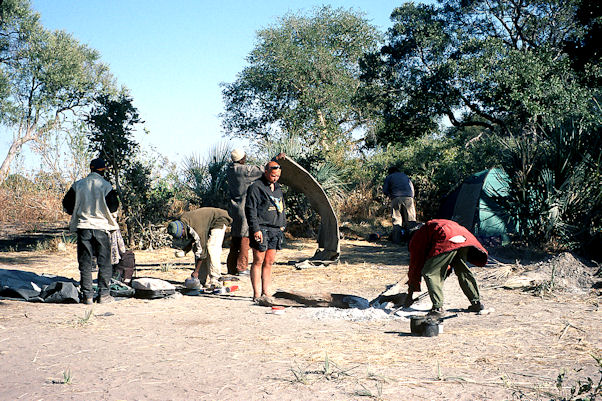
x,y
296,177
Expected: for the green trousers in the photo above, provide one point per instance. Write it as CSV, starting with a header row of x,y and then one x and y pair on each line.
x,y
434,273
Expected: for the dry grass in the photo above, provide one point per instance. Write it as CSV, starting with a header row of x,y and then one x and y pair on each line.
x,y
518,351
26,206
361,204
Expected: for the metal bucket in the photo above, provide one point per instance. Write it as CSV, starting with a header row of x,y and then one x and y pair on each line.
x,y
424,326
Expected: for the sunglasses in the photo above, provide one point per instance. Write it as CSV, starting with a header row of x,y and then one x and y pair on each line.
x,y
274,167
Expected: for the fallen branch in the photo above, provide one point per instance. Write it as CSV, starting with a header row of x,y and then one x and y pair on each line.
x,y
566,327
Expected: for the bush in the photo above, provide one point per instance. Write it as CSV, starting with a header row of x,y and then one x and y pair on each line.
x,y
148,201
25,200
204,180
434,164
556,190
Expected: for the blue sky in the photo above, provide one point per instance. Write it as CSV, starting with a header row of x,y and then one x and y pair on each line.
x,y
172,55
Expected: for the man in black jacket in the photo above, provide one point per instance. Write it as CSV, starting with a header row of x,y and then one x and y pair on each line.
x,y
264,209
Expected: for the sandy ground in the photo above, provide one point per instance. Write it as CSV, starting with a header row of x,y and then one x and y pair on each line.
x,y
223,347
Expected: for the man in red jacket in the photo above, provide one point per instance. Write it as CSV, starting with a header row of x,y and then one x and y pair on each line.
x,y
437,246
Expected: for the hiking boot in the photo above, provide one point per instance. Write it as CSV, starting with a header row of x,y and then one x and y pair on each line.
x,y
436,313
88,300
476,307
105,299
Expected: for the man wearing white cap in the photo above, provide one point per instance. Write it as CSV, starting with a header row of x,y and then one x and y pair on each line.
x,y
240,176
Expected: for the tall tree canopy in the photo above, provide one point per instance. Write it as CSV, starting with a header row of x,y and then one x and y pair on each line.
x,y
497,64
301,79
112,122
45,77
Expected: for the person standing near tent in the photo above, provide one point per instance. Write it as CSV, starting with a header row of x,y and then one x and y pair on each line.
x,y
91,203
399,188
202,231
240,175
435,247
266,218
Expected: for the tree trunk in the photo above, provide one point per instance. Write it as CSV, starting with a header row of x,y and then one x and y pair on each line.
x,y
13,151
323,142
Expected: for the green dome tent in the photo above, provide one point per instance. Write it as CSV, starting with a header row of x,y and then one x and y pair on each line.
x,y
474,204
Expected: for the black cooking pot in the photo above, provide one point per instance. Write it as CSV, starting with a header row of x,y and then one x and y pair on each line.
x,y
424,326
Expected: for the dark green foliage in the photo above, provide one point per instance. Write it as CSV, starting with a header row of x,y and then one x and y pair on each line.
x,y
435,166
584,50
112,123
493,64
556,190
525,71
148,203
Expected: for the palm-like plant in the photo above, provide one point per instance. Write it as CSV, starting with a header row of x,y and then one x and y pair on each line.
x,y
205,177
556,191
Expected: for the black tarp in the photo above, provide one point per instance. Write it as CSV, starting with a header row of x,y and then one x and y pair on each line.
x,y
32,287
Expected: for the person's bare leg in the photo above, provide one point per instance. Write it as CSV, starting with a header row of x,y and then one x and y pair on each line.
x,y
242,262
266,271
256,270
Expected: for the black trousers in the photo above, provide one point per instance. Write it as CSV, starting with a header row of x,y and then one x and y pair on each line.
x,y
94,243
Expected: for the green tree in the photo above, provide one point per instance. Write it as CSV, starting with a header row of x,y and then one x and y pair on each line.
x,y
301,81
497,64
46,77
112,122
584,50
147,198
518,70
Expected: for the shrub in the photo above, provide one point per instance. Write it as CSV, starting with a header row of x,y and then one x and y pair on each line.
x,y
434,164
556,190
204,181
26,200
